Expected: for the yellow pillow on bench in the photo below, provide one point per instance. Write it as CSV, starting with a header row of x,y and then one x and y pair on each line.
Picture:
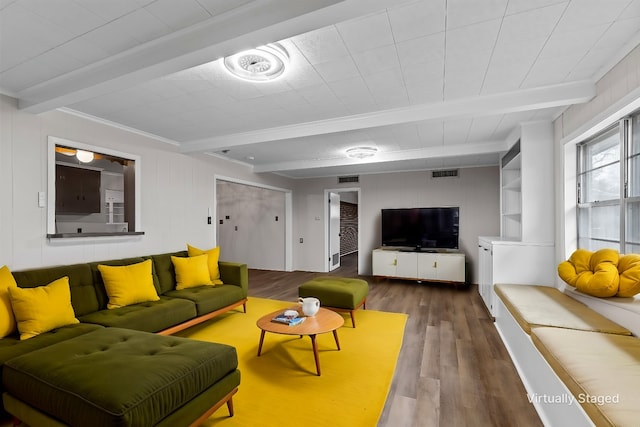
x,y
594,273
128,284
42,308
191,271
629,269
214,255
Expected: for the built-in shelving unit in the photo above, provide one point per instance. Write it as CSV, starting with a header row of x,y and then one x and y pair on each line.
x,y
524,251
511,182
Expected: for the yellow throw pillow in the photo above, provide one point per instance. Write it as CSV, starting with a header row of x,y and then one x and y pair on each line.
x,y
42,308
191,271
214,255
7,319
128,284
629,269
594,273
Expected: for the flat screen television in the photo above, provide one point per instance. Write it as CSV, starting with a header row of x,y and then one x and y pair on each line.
x,y
421,228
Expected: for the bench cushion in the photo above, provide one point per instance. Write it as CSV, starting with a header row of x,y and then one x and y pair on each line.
x,y
118,377
601,371
546,306
334,291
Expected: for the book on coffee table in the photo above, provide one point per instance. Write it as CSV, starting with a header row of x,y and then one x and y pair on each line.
x,y
291,321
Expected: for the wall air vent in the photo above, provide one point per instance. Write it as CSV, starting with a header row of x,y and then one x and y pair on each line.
x,y
448,173
346,179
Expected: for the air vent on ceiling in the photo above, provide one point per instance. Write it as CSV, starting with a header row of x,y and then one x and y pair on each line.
x,y
448,173
345,179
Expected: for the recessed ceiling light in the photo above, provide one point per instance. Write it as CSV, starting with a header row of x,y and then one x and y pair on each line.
x,y
262,64
361,152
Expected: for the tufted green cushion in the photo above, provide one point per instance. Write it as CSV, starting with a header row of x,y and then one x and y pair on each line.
x,y
150,316
12,346
119,377
208,298
334,291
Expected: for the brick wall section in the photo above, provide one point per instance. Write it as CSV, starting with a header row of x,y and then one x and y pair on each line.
x,y
348,228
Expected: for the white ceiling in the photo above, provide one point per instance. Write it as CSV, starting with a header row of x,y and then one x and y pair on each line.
x,y
432,84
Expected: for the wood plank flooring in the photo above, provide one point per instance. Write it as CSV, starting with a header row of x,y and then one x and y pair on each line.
x,y
453,369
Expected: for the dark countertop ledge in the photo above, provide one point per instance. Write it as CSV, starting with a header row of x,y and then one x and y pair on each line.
x,y
105,234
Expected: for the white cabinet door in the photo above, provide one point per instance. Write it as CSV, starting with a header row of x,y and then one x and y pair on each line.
x,y
450,267
446,267
407,265
428,266
384,263
485,282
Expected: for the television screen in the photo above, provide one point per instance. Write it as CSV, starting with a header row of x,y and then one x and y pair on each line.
x,y
421,228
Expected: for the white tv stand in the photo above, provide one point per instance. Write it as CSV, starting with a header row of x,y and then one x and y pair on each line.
x,y
439,266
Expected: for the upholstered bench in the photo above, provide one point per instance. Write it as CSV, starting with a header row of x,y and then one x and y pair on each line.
x,y
601,371
337,293
546,332
546,306
121,377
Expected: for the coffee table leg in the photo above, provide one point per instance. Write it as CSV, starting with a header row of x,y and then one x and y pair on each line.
x,y
315,352
335,336
261,341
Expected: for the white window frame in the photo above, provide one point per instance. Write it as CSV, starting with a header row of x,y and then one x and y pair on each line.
x,y
624,127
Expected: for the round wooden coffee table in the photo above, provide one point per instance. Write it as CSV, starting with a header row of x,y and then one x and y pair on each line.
x,y
324,321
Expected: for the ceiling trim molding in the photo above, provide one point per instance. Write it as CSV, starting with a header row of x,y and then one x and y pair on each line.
x,y
502,103
254,23
441,151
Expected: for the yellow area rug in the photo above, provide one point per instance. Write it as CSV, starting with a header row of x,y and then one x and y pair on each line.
x,y
281,388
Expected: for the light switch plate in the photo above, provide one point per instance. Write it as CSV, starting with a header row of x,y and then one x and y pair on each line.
x,y
42,201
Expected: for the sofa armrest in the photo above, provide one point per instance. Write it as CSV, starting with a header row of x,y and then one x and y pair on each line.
x,y
234,273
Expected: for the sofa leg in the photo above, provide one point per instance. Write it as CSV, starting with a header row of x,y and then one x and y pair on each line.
x,y
230,406
244,307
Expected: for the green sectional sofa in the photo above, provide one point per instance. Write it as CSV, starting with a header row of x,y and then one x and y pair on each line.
x,y
174,311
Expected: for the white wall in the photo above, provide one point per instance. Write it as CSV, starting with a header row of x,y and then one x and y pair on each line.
x,y
177,191
617,95
251,234
476,191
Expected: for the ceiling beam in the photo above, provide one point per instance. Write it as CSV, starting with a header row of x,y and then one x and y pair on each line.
x,y
250,25
502,103
386,157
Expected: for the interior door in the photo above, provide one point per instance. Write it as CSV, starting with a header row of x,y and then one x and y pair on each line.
x,y
334,231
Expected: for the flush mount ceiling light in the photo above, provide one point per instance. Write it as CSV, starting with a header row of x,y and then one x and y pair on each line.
x,y
84,156
361,152
262,64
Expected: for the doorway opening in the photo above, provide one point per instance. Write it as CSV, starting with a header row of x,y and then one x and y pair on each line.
x,y
342,224
253,223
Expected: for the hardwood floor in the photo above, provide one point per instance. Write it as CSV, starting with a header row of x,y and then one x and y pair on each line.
x,y
453,369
